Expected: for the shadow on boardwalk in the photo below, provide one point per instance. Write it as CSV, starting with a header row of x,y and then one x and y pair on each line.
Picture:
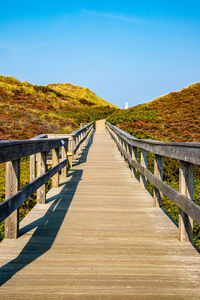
x,y
47,226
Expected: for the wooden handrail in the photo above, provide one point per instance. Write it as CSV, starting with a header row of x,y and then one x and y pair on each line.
x,y
187,153
12,151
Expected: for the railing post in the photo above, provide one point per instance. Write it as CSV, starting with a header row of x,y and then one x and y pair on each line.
x,y
122,145
32,167
55,161
75,144
79,140
84,135
64,156
144,155
119,143
158,172
126,150
129,148
186,173
12,186
134,157
41,169
70,150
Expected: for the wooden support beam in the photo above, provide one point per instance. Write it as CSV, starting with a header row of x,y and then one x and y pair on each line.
x,y
64,156
144,156
158,172
32,167
41,169
12,186
70,150
126,149
129,150
134,157
55,161
84,135
186,171
79,140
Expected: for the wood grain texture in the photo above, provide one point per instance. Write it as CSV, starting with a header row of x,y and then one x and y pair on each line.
x,y
32,167
186,175
41,170
64,156
189,152
158,172
55,161
144,156
12,186
11,150
98,237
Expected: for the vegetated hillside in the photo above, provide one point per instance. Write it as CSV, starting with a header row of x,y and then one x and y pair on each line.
x,y
27,110
174,117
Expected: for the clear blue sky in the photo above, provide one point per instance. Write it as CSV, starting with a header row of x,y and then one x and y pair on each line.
x,y
123,50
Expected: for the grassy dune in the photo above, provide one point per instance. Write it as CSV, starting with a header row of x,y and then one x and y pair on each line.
x,y
174,117
27,110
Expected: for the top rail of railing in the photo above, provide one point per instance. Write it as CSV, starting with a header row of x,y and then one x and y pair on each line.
x,y
189,152
16,149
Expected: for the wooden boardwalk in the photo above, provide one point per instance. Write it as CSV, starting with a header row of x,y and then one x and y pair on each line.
x,y
98,237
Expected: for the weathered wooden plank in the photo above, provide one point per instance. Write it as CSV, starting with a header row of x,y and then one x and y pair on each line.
x,y
134,157
64,156
32,167
41,169
40,136
186,171
158,172
55,161
56,136
189,152
144,156
70,153
12,186
17,149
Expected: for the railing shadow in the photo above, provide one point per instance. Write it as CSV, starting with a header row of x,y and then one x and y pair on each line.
x,y
47,226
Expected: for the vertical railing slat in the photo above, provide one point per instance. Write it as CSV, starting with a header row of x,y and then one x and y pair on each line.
x,y
64,156
186,171
158,172
12,186
70,150
41,169
144,156
32,167
55,161
134,157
